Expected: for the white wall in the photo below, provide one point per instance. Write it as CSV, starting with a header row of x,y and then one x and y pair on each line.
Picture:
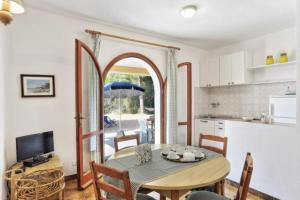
x,y
269,44
260,47
298,67
298,105
3,68
43,43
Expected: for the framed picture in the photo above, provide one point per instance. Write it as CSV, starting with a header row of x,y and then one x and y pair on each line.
x,y
37,85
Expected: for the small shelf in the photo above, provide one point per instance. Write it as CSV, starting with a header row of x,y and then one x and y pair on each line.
x,y
273,81
273,65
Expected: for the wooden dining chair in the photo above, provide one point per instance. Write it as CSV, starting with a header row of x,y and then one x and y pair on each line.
x,y
242,189
216,141
125,138
100,170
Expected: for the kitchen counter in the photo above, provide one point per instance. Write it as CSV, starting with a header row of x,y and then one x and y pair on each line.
x,y
229,118
274,147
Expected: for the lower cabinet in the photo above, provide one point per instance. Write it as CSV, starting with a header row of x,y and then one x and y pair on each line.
x,y
208,126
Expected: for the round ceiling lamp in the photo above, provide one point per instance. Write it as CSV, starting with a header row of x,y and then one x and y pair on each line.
x,y
8,8
189,11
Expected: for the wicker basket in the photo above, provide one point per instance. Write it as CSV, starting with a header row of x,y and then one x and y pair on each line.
x,y
40,185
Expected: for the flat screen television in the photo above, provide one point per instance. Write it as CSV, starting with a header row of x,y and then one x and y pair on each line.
x,y
34,145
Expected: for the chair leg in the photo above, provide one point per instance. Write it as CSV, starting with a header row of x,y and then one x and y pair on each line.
x,y
61,195
161,197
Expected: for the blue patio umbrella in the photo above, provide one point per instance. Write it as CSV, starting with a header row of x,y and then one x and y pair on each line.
x,y
122,90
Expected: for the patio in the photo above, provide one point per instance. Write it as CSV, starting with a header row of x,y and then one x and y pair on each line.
x,y
131,124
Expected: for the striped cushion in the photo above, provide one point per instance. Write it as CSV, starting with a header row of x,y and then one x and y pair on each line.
x,y
204,195
140,196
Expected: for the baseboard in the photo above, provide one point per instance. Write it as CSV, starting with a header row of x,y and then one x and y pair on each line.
x,y
253,191
71,177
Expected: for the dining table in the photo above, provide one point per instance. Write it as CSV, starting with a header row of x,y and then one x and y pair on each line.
x,y
177,184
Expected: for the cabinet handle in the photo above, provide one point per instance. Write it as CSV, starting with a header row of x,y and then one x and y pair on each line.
x,y
205,121
232,83
220,128
220,122
228,83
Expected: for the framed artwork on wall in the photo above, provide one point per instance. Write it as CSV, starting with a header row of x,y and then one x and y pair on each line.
x,y
33,85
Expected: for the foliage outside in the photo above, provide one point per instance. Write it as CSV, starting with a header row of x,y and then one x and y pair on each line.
x,y
130,105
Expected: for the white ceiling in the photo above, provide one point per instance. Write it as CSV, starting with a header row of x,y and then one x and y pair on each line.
x,y
217,22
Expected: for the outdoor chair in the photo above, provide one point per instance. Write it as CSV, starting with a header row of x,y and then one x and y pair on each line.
x,y
108,122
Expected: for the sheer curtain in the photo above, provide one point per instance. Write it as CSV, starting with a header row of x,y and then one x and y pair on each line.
x,y
94,90
172,98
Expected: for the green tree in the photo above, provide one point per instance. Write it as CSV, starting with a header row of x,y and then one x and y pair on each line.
x,y
131,104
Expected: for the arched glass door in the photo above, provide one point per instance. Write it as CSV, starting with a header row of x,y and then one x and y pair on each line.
x,y
89,112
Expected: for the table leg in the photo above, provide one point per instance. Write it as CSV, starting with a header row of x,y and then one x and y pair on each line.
x,y
218,188
174,195
222,187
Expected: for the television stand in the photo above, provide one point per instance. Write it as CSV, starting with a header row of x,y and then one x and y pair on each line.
x,y
54,163
32,162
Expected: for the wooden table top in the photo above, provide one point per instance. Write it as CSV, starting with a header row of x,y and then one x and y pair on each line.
x,y
205,174
53,163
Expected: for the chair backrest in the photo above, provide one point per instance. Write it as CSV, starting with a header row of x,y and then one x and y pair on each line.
x,y
100,170
217,139
245,178
126,138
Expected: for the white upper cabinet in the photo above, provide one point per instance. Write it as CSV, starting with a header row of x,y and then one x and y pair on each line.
x,y
228,69
210,73
233,69
225,70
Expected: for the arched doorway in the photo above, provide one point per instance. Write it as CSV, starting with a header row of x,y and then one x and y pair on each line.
x,y
158,87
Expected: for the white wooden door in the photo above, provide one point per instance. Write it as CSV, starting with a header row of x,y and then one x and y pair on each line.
x,y
238,68
225,70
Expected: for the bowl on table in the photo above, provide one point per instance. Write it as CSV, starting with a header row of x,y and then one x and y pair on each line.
x,y
199,154
188,156
248,119
173,156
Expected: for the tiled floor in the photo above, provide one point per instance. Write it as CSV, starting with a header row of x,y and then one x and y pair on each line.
x,y
71,192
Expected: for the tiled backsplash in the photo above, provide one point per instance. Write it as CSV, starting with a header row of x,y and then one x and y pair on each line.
x,y
239,100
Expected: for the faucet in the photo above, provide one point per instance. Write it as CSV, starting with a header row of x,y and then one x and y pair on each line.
x,y
214,104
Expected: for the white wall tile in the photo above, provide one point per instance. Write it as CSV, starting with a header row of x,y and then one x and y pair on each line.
x,y
239,100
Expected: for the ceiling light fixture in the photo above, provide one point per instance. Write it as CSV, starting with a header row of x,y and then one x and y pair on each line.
x,y
8,8
189,11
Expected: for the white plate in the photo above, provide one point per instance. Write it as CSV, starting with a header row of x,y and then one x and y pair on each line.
x,y
187,160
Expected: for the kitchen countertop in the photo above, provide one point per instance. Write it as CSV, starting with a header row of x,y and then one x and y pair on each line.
x,y
229,118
